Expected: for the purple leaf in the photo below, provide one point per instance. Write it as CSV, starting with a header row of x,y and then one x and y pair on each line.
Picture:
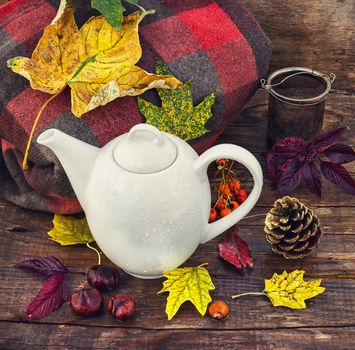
x,y
283,167
281,154
289,145
287,148
50,298
270,160
339,153
235,251
291,178
312,176
287,162
327,138
338,175
46,266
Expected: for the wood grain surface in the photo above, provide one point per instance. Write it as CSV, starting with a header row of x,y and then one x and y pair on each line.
x,y
327,323
316,34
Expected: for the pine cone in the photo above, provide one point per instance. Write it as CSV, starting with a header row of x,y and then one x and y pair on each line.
x,y
291,228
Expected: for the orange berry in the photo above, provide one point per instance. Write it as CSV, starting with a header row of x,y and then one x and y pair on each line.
x,y
218,309
213,215
223,189
221,203
221,162
234,186
225,212
233,205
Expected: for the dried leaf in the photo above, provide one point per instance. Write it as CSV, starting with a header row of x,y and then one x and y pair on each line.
x,y
112,10
46,266
68,230
50,298
290,290
97,62
177,114
235,251
187,283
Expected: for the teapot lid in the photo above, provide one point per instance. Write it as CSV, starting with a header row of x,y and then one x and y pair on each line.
x,y
145,150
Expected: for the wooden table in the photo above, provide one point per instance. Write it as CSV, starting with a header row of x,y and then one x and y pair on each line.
x,y
327,323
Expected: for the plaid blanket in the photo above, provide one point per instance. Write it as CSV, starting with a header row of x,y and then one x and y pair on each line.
x,y
216,44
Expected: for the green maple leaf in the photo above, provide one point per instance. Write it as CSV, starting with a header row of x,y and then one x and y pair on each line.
x,y
177,114
112,10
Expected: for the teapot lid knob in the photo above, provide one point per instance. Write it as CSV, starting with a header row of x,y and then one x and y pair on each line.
x,y
145,150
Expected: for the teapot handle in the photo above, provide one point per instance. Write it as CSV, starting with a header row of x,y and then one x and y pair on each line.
x,y
244,157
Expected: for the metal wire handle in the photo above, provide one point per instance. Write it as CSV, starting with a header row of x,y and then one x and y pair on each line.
x,y
268,87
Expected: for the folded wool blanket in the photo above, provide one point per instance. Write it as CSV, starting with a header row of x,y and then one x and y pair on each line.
x,y
217,44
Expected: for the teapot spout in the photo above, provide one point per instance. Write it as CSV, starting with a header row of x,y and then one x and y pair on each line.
x,y
77,158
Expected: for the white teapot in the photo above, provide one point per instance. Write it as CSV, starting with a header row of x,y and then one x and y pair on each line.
x,y
146,195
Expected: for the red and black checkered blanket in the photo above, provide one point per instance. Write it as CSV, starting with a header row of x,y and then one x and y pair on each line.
x,y
216,44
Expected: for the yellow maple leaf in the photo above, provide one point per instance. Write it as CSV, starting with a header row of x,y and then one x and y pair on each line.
x,y
187,283
68,230
289,289
97,62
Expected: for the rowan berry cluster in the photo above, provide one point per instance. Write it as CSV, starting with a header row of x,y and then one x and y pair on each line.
x,y
229,192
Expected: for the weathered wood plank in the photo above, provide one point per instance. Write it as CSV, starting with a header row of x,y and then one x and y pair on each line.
x,y
250,313
316,34
63,337
339,248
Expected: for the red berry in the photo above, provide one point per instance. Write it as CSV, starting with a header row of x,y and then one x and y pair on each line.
x,y
225,212
121,306
213,215
233,205
86,302
241,200
104,278
243,193
234,186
